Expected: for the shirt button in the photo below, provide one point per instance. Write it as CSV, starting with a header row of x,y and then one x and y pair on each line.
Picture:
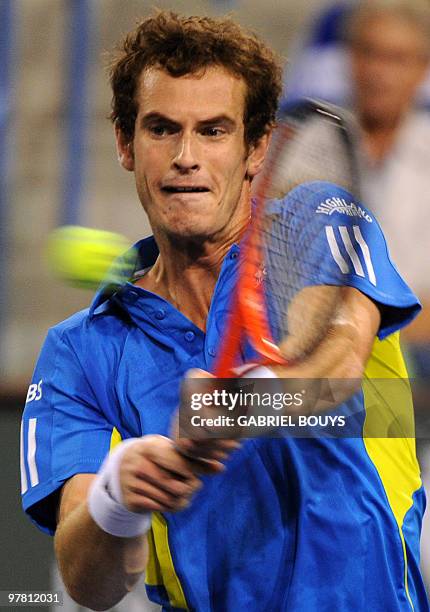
x,y
133,296
189,336
160,314
211,351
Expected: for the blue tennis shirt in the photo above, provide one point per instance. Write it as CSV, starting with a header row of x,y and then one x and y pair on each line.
x,y
292,524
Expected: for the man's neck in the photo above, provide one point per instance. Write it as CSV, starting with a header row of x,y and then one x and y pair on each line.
x,y
186,271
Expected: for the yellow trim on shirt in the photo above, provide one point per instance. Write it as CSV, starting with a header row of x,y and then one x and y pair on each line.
x,y
389,408
114,439
161,570
153,575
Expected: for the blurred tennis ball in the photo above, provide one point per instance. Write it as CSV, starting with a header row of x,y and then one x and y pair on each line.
x,y
84,257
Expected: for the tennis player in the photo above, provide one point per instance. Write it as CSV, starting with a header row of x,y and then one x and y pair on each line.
x,y
277,524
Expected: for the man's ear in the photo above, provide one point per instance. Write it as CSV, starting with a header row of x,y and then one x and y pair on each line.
x,y
257,155
124,147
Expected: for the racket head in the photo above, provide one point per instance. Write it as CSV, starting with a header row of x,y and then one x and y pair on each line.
x,y
288,291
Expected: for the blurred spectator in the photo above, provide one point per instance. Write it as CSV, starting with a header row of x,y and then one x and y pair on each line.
x,y
377,61
389,46
319,63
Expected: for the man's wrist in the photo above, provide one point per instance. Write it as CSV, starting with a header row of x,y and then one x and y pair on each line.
x,y
254,370
105,503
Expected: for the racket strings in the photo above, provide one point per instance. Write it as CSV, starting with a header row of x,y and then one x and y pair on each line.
x,y
295,260
310,149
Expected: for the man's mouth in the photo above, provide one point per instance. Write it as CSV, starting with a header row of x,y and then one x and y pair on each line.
x,y
184,189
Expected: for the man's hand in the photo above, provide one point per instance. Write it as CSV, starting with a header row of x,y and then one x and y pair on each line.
x,y
154,476
206,454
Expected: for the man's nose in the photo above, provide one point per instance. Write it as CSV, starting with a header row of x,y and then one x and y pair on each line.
x,y
186,154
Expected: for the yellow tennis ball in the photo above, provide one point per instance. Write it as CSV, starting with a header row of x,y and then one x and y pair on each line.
x,y
85,257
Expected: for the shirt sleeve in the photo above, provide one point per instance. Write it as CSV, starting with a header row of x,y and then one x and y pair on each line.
x,y
64,432
334,240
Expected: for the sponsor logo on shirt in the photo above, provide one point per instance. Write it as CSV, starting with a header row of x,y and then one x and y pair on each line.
x,y
340,205
34,392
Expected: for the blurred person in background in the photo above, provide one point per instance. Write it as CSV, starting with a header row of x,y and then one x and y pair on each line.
x,y
390,55
319,60
387,46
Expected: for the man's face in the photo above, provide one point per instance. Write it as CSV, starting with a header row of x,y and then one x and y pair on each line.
x,y
188,153
389,61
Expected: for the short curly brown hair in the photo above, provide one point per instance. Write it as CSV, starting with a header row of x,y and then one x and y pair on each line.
x,y
186,45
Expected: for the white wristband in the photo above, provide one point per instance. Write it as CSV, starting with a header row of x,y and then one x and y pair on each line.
x,y
105,499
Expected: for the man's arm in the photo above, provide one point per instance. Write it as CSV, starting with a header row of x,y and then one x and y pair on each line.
x,y
341,357
346,347
99,569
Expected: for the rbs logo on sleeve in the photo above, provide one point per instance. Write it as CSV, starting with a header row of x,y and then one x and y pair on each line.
x,y
34,392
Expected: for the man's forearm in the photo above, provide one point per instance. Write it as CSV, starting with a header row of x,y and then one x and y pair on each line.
x,y
98,569
340,358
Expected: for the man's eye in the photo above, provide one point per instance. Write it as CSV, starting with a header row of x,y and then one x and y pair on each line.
x,y
159,130
213,131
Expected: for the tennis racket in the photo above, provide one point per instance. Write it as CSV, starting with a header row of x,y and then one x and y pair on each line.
x,y
288,291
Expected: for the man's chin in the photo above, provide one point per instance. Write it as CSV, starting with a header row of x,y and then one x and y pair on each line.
x,y
190,226
192,234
